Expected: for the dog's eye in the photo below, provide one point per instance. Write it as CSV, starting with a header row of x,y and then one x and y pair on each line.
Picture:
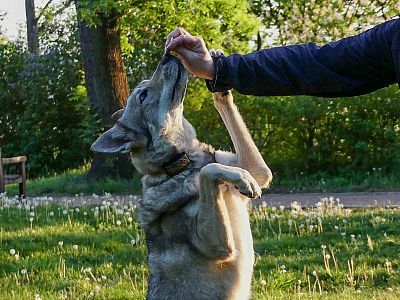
x,y
143,96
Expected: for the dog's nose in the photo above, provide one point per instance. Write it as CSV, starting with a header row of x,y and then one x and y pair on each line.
x,y
167,58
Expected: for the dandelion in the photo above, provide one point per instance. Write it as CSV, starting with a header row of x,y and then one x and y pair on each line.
x,y
118,223
323,247
85,213
315,273
77,209
51,214
130,219
37,297
60,243
133,242
281,207
103,277
31,220
32,213
12,251
327,256
23,271
75,247
263,282
64,212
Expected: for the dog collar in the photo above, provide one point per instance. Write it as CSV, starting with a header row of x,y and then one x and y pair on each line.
x,y
177,164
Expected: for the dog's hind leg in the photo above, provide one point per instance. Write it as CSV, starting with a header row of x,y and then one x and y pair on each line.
x,y
247,154
212,232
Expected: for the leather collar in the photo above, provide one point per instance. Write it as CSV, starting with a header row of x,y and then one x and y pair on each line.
x,y
177,164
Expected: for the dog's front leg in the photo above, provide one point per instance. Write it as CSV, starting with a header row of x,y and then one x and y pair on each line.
x,y
248,155
211,232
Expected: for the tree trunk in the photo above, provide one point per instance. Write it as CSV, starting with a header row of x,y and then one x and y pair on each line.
x,y
31,27
107,87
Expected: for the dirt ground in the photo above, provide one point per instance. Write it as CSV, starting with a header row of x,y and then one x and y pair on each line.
x,y
305,199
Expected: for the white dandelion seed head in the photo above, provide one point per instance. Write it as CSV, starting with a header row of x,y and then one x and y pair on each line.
x,y
263,282
60,243
23,271
51,214
75,247
12,251
119,223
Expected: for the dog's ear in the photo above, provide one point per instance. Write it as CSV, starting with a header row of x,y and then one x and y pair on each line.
x,y
113,141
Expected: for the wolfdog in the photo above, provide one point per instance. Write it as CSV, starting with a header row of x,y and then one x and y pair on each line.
x,y
194,209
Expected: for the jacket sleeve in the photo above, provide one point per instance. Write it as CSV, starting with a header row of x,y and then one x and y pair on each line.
x,y
351,66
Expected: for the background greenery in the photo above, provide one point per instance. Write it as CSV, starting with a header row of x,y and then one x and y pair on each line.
x,y
45,113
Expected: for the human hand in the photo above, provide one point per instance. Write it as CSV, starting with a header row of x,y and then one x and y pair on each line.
x,y
192,51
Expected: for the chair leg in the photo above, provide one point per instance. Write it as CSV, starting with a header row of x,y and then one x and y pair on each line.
x,y
22,190
2,186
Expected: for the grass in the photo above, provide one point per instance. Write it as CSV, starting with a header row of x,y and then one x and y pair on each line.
x,y
67,252
74,182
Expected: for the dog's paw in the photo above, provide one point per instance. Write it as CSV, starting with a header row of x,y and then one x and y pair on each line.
x,y
248,186
222,99
216,53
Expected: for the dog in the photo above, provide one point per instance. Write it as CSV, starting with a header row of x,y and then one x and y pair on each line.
x,y
194,209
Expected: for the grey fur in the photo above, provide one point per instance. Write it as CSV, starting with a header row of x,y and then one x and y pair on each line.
x,y
196,222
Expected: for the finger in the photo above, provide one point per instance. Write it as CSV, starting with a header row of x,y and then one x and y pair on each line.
x,y
174,34
219,52
186,41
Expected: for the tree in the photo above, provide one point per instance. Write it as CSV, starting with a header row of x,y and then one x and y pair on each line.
x,y
106,82
32,27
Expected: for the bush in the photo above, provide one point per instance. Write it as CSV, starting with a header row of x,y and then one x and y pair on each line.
x,y
307,135
45,113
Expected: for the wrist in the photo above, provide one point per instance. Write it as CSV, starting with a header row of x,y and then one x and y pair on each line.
x,y
209,70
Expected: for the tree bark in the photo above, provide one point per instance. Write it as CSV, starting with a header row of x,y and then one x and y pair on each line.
x,y
31,27
107,87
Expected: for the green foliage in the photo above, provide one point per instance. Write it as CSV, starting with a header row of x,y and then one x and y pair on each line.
x,y
307,135
44,111
46,114
320,21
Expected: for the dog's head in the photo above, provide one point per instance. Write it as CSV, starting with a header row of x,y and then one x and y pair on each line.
x,y
151,126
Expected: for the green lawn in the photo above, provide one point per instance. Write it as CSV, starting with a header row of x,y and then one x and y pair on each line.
x,y
75,182
68,252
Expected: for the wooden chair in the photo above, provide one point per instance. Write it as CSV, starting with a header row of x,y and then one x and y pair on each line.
x,y
19,178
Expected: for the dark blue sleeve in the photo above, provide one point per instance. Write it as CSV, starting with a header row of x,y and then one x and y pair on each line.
x,y
351,66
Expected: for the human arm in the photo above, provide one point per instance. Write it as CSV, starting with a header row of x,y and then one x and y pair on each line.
x,y
351,66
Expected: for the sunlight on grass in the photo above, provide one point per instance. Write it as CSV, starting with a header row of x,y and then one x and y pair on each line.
x,y
69,251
